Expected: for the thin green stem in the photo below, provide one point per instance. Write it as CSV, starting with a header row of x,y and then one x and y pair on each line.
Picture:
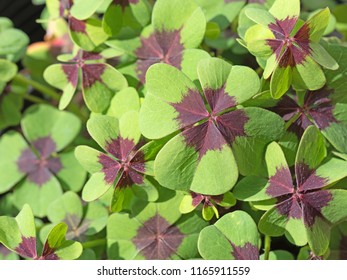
x,y
34,99
267,247
47,91
292,120
94,243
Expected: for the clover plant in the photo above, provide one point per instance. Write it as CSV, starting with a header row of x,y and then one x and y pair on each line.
x,y
174,130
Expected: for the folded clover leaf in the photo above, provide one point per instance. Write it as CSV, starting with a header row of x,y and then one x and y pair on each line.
x,y
38,158
304,209
82,221
178,26
19,235
85,31
192,200
99,81
233,237
154,231
200,158
291,48
126,17
124,164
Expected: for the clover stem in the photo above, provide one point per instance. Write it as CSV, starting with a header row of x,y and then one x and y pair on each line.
x,y
267,247
38,86
47,91
292,120
94,243
34,99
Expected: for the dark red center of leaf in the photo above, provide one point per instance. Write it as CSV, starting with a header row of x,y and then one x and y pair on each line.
x,y
41,165
317,109
127,164
27,248
306,199
125,3
163,47
246,252
207,199
78,26
157,239
205,130
91,73
290,50
4,251
48,253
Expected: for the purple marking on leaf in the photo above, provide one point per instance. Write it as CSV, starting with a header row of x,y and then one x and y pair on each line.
x,y
280,183
77,26
246,252
317,105
90,56
232,124
290,207
124,3
197,198
4,251
219,100
40,168
128,166
163,47
312,204
76,228
91,73
191,109
307,179
290,50
204,137
64,5
48,253
110,168
156,239
27,248
71,73
120,147
321,107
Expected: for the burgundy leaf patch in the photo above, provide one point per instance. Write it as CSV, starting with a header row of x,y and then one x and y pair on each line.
x,y
71,73
125,3
91,73
4,251
290,50
306,199
317,109
48,253
127,166
39,164
157,239
204,137
163,47
246,252
78,26
207,199
27,248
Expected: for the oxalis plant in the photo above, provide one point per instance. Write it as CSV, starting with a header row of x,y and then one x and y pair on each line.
x,y
181,129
